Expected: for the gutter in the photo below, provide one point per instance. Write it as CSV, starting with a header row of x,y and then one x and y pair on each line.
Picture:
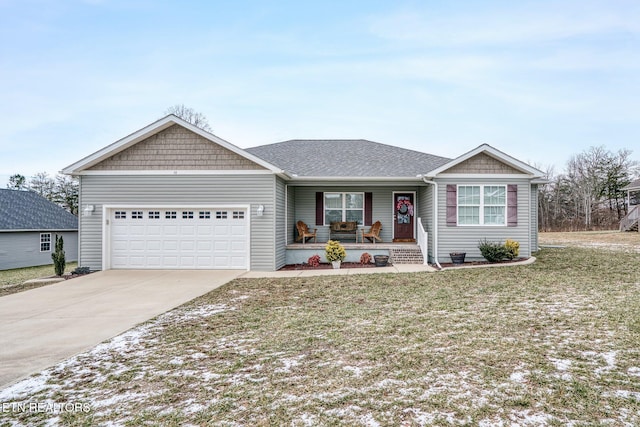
x,y
435,218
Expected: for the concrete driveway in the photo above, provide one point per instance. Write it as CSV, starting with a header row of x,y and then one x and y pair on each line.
x,y
43,326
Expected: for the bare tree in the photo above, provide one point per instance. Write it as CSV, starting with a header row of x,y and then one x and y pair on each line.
x,y
190,115
66,193
43,184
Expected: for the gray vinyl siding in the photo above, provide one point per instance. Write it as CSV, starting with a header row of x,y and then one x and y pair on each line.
x,y
253,189
22,249
534,217
382,210
466,238
280,223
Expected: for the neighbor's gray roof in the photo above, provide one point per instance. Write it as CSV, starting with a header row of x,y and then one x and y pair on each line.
x,y
633,185
346,158
26,210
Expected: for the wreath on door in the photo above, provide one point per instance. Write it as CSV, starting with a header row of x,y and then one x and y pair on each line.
x,y
404,206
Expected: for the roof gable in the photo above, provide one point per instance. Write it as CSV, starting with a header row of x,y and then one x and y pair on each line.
x,y
108,154
634,185
486,160
26,210
346,158
173,148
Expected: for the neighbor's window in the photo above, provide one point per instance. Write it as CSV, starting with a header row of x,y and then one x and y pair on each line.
x,y
482,204
343,207
45,242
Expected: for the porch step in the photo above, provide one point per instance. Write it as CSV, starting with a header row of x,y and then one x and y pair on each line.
x,y
406,256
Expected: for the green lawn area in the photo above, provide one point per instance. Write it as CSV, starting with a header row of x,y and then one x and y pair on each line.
x,y
11,281
553,343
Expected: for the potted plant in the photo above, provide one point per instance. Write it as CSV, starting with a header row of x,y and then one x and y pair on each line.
x,y
381,260
457,257
335,253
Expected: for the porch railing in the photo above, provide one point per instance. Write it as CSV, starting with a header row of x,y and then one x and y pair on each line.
x,y
423,242
632,217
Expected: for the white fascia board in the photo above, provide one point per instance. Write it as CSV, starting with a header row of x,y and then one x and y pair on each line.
x,y
353,178
493,152
151,130
178,172
483,176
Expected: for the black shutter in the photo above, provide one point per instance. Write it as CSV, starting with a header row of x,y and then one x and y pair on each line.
x,y
319,208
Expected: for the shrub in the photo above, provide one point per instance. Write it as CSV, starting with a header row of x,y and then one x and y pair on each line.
x,y
513,248
335,251
493,252
59,261
314,261
365,258
81,270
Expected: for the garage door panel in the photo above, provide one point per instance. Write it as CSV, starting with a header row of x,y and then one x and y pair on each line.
x,y
181,238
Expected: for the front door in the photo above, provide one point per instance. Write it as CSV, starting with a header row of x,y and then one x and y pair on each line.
x,y
404,212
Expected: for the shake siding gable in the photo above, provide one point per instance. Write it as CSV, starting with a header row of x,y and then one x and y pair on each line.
x,y
482,164
176,148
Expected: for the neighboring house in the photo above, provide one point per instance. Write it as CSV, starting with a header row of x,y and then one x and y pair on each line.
x,y
631,220
174,196
29,224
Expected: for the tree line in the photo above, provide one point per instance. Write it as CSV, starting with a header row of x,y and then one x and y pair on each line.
x,y
60,189
589,194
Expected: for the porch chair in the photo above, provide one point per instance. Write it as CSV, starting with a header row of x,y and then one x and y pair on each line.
x,y
304,233
374,232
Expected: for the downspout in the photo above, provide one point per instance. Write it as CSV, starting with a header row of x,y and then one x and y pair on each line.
x,y
435,218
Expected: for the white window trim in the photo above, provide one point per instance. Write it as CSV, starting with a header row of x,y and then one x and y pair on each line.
x,y
482,205
343,195
41,242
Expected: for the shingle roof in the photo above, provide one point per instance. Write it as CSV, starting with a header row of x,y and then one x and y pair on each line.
x,y
633,185
26,210
346,158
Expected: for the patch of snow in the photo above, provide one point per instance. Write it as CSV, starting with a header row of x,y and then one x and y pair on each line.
x,y
368,420
308,420
177,361
626,394
635,371
289,363
526,417
561,364
355,370
610,359
518,377
26,387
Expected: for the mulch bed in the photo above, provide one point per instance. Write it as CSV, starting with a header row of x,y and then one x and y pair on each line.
x,y
325,266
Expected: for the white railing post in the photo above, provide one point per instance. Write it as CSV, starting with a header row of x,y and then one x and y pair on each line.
x,y
423,242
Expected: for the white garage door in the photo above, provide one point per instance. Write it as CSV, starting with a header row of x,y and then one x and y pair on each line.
x,y
183,238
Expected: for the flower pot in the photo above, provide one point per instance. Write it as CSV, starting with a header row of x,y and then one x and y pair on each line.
x,y
335,264
457,257
381,260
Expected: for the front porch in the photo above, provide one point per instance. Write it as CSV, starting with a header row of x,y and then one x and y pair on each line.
x,y
398,252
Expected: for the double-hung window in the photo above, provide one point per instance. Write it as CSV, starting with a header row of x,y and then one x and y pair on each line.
x,y
343,207
45,242
482,204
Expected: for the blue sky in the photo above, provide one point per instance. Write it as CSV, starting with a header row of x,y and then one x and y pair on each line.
x,y
540,80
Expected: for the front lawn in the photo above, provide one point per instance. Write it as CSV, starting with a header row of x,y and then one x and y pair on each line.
x,y
12,281
552,343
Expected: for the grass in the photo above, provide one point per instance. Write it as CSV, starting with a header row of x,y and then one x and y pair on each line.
x,y
553,343
12,281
